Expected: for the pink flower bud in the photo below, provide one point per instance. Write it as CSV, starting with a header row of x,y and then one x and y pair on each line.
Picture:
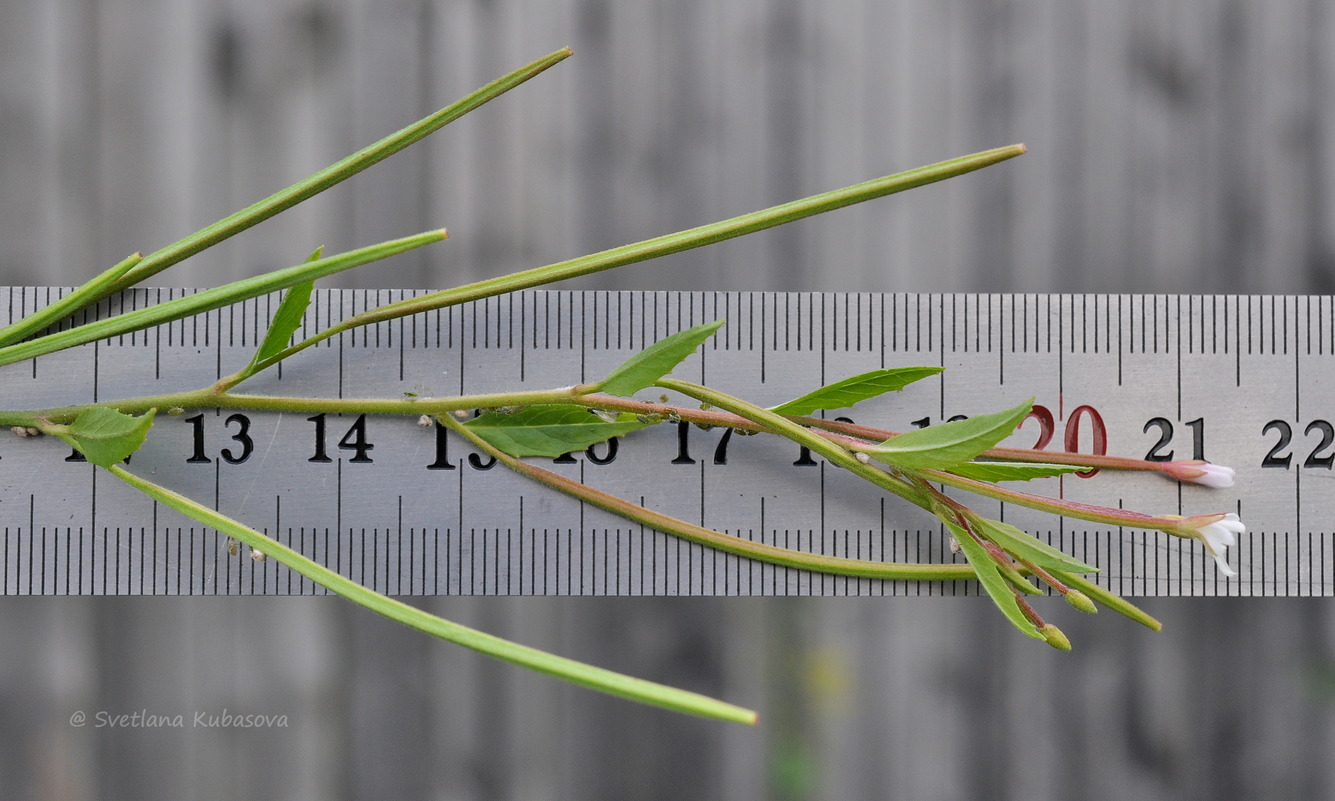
x,y
1216,476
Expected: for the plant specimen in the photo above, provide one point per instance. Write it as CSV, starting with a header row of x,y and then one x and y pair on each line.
x,y
513,426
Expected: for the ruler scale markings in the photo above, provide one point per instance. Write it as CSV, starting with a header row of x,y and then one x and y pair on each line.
x,y
1290,560
400,323
760,319
519,567
524,301
1085,327
1121,338
1212,320
859,319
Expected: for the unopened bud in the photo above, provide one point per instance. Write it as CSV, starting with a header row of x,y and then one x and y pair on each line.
x,y
1081,601
1199,472
1054,637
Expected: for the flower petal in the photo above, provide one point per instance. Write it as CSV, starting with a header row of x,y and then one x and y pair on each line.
x,y
1215,476
1218,535
1223,565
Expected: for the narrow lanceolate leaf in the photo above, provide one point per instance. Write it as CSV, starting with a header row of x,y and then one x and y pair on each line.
x,y
656,361
947,445
1011,471
339,171
286,320
594,678
989,575
842,394
1025,546
550,430
106,436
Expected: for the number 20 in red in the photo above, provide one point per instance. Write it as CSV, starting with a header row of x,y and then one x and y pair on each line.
x,y
1047,427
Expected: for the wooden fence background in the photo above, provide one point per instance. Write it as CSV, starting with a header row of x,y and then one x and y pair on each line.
x,y
1180,146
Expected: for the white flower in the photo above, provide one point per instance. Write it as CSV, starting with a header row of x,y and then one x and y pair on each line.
x,y
1215,476
1217,533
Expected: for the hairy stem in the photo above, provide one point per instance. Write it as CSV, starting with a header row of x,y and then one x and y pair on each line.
x,y
778,424
713,539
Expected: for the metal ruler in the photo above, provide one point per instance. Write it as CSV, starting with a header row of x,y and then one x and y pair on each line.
x,y
1240,380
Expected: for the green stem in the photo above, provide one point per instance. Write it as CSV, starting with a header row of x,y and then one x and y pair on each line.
x,y
782,426
738,414
714,539
210,399
665,245
1059,506
210,299
1090,460
594,678
80,298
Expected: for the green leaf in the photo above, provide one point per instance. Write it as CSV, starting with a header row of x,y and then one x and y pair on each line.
x,y
947,445
106,436
286,320
339,171
842,394
989,576
1026,547
550,430
594,678
700,236
1011,471
656,361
